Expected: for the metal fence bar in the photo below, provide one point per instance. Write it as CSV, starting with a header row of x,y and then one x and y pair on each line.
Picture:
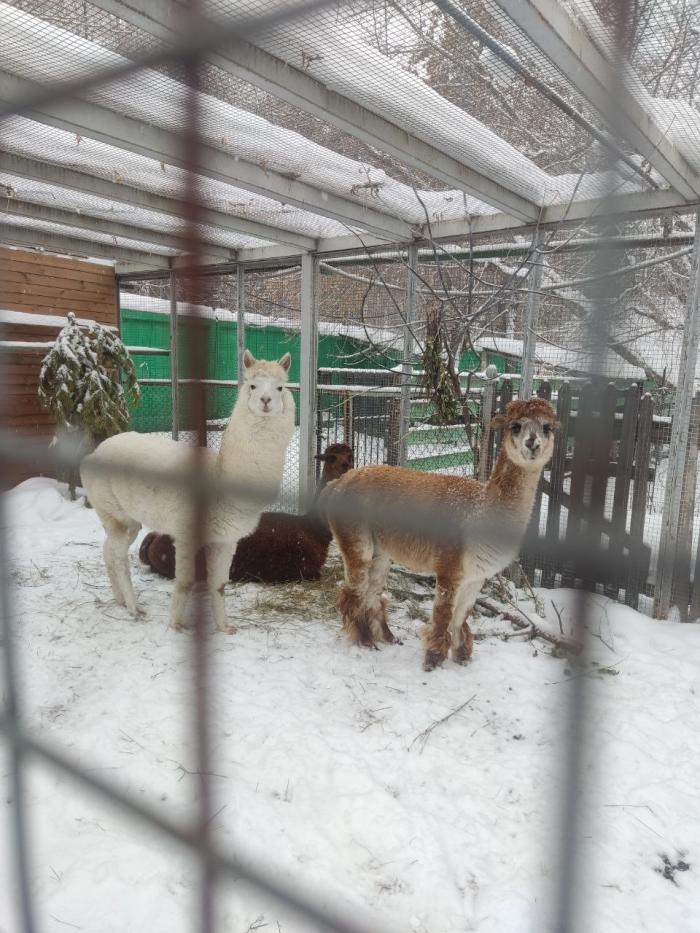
x,y
222,864
240,320
308,375
12,713
407,367
580,720
197,838
174,389
196,341
678,446
532,316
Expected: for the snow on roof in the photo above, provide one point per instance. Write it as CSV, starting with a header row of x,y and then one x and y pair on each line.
x,y
330,47
39,51
561,359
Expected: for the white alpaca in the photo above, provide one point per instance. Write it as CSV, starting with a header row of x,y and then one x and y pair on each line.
x,y
252,452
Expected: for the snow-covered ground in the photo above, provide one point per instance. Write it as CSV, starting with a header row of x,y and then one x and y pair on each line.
x,y
323,770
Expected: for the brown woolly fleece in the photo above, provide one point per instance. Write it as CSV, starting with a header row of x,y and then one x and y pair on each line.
x,y
365,511
282,549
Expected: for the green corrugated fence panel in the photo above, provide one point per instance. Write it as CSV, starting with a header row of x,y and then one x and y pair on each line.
x,y
150,329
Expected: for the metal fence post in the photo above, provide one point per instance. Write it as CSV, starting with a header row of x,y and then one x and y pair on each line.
x,y
175,413
407,367
308,376
531,318
678,446
240,317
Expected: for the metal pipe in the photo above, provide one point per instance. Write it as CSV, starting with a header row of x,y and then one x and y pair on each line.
x,y
308,376
240,321
678,446
531,318
173,357
407,367
17,756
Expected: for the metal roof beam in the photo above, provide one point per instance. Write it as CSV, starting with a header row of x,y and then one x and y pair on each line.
x,y
18,208
258,67
67,245
108,126
75,180
632,206
550,27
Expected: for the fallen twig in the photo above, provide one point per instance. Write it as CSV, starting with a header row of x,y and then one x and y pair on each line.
x,y
423,736
558,612
521,620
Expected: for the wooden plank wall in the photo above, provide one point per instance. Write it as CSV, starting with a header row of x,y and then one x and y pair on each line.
x,y
40,284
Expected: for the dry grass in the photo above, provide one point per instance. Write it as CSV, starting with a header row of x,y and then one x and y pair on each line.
x,y
311,599
316,599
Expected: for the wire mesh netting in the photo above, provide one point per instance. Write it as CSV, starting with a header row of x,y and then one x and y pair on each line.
x,y
376,182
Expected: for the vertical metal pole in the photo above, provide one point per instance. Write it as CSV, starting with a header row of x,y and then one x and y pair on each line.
x,y
308,375
240,326
118,302
678,447
407,368
173,357
531,318
11,715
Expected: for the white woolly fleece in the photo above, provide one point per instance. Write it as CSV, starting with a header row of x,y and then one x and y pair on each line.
x,y
252,451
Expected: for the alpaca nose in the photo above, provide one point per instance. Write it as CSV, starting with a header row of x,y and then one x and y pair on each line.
x,y
265,399
532,442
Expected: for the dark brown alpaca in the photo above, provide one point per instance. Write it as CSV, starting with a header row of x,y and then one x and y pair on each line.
x,y
500,508
283,548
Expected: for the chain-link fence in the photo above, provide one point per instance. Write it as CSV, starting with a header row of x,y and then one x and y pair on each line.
x,y
460,357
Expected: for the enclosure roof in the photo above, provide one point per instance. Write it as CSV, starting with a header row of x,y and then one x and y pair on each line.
x,y
105,169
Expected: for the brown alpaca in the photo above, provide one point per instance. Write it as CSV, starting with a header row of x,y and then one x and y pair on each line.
x,y
283,548
501,508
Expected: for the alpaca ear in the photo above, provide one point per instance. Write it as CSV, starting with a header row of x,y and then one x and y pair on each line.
x,y
286,361
248,359
498,422
320,457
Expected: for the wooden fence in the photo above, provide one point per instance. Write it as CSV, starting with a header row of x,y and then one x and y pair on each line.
x,y
36,293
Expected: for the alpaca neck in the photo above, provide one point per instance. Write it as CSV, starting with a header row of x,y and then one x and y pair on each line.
x,y
513,486
253,446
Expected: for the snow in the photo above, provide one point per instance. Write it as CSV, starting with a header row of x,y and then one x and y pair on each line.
x,y
563,359
25,344
45,320
320,771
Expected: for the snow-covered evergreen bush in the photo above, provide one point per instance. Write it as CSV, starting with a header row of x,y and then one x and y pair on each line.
x,y
86,382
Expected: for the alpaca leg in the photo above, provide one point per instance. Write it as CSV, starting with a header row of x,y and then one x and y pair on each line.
x,y
462,638
116,551
184,581
437,637
377,603
110,552
357,550
219,558
132,531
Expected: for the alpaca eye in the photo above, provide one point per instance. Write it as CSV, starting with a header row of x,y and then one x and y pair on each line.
x,y
547,428
515,428
279,388
251,388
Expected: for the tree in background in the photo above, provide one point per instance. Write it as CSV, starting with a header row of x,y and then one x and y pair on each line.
x,y
86,382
